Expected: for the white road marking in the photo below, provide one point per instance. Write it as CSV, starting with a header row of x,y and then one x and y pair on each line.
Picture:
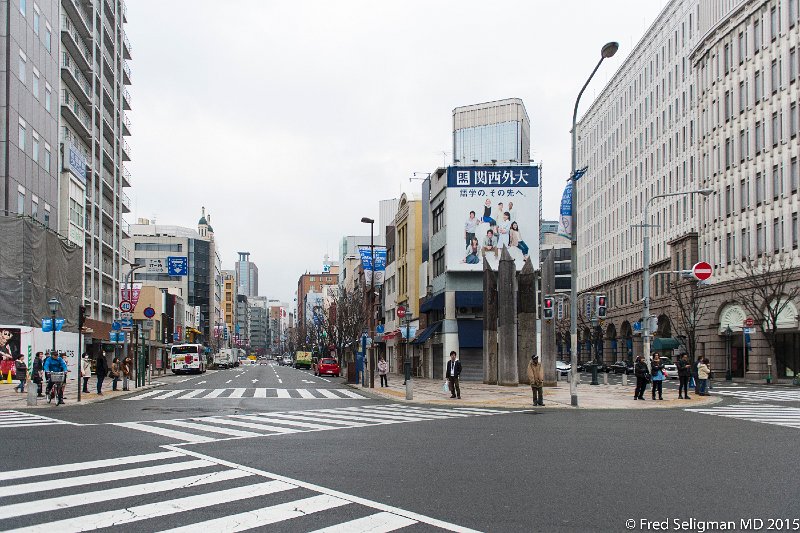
x,y
260,393
74,467
283,393
305,393
215,393
169,394
237,393
209,428
229,381
382,522
350,393
191,394
165,432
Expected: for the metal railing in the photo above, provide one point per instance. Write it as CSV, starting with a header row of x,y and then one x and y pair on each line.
x,y
69,27
126,201
126,174
127,122
127,96
126,69
69,100
126,149
70,64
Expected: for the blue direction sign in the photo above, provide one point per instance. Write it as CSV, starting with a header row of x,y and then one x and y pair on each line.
x,y
176,337
126,324
47,324
177,266
116,326
637,326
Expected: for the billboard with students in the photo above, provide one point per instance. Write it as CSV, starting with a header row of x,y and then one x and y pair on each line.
x,y
489,208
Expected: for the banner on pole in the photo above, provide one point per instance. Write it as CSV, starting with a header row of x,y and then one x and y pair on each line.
x,y
380,263
565,215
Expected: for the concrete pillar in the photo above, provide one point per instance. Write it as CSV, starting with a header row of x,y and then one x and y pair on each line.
x,y
549,350
526,319
449,333
608,357
507,373
489,325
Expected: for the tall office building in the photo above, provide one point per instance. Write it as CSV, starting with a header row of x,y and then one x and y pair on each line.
x,y
497,131
93,98
246,275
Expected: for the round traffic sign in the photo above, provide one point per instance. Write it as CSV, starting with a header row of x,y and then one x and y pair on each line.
x,y
125,306
749,322
149,312
401,311
702,271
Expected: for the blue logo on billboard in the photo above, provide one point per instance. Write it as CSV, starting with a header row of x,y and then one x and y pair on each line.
x,y
177,266
485,176
77,163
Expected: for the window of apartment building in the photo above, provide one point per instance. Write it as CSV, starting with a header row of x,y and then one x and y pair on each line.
x,y
728,153
728,201
742,97
35,137
730,249
794,118
759,83
774,23
36,17
759,137
744,194
793,12
728,106
775,76
48,95
35,207
742,146
777,235
794,175
76,212
438,218
761,238
48,37
438,263
23,7
759,188
21,139
727,58
744,245
47,156
741,47
36,83
21,201
758,36
776,130
46,215
794,230
23,61
792,65
777,182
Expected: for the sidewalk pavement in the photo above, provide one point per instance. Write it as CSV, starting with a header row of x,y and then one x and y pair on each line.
x,y
477,394
10,399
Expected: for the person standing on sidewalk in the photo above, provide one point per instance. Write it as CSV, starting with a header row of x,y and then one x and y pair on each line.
x,y
22,373
657,372
695,374
536,379
684,373
641,373
453,371
116,370
37,374
101,369
703,371
127,372
86,371
383,368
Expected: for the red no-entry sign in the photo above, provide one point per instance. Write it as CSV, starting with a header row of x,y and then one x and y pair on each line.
x,y
749,322
702,271
401,311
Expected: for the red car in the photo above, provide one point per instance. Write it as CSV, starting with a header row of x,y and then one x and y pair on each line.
x,y
327,366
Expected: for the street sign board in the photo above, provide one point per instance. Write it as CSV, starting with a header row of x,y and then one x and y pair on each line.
x,y
637,326
147,325
116,326
702,271
748,331
176,336
126,324
401,311
177,266
149,312
749,322
125,306
123,316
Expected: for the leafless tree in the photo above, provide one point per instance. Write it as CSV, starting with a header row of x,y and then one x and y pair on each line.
x,y
689,306
345,321
766,290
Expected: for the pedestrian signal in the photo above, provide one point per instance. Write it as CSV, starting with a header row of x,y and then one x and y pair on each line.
x,y
600,306
547,308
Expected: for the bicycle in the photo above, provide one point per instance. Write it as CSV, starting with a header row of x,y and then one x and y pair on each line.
x,y
57,380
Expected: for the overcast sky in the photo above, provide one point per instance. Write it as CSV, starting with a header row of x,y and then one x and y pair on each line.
x,y
289,120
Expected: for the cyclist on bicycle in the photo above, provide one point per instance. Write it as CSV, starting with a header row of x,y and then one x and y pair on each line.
x,y
54,364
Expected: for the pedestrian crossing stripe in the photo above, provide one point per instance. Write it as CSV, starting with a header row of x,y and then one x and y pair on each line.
x,y
239,393
762,413
216,428
769,395
102,492
15,419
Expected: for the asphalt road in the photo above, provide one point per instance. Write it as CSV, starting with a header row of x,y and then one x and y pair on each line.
x,y
304,464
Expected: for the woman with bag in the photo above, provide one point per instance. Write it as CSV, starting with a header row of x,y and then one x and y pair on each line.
x,y
127,372
22,374
703,371
115,373
657,373
383,369
642,378
86,372
37,374
101,369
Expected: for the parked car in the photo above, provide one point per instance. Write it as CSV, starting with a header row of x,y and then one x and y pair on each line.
x,y
670,369
563,368
327,366
622,367
586,366
287,360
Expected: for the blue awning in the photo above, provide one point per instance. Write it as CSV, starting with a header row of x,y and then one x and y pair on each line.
x,y
469,298
434,302
427,333
470,333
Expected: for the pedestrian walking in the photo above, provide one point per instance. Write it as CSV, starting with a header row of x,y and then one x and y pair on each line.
x,y
642,375
86,371
116,372
127,372
22,373
695,375
453,371
101,369
536,379
657,373
703,371
37,374
383,368
684,374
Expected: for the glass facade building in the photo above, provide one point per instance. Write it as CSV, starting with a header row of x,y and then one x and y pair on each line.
x,y
493,131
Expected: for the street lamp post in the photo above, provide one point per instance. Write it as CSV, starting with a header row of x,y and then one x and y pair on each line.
x,y
646,266
371,300
608,50
728,335
54,304
133,267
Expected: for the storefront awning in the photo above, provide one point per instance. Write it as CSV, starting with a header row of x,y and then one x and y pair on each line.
x,y
470,333
664,343
469,298
434,302
427,333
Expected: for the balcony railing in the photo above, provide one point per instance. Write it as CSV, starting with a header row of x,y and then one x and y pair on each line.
x,y
127,123
68,27
126,254
70,64
127,44
127,70
126,96
125,226
69,100
126,150
126,201
126,175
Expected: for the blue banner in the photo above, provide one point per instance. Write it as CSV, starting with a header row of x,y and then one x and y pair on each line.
x,y
493,176
379,253
565,218
47,324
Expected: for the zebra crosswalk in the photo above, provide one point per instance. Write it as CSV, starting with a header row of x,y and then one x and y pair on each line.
x,y
758,395
14,419
228,427
182,491
762,413
241,392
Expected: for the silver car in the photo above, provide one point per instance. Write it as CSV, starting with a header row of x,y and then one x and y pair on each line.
x,y
563,368
670,369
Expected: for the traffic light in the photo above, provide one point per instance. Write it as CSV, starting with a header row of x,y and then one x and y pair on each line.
x,y
547,308
600,305
81,316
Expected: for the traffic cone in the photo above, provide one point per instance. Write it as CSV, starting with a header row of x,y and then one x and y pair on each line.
x,y
8,379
